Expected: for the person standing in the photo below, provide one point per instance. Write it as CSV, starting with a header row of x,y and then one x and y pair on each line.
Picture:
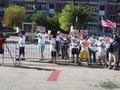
x,y
101,50
114,53
41,42
84,49
52,39
93,48
58,43
21,43
75,47
2,41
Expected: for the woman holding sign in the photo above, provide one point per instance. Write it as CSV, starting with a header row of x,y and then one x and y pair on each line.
x,y
41,34
84,49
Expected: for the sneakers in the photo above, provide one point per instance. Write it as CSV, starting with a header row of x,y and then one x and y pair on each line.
x,y
115,68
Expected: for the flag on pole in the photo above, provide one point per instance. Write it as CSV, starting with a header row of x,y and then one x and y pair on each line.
x,y
112,24
108,23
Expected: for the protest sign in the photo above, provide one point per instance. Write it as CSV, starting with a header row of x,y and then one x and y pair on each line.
x,y
41,29
84,32
86,43
107,39
74,32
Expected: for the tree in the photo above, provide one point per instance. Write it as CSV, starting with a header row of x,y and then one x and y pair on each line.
x,y
14,15
54,22
74,15
42,19
39,18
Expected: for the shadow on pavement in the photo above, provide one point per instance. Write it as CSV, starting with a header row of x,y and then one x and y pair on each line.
x,y
30,67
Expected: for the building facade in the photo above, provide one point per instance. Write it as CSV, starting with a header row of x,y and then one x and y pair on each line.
x,y
108,8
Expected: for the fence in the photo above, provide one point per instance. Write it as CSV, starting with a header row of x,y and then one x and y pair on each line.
x,y
11,50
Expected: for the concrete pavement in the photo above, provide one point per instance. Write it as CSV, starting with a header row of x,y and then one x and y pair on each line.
x,y
35,75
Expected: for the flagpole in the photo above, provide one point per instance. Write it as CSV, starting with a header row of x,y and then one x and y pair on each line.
x,y
103,28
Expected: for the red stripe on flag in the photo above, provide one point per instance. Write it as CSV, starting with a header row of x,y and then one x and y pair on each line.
x,y
104,23
108,23
112,25
54,75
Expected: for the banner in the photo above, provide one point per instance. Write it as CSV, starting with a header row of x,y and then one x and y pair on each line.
x,y
84,32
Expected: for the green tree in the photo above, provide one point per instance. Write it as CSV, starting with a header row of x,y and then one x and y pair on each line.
x,y
13,16
69,15
50,22
54,22
39,18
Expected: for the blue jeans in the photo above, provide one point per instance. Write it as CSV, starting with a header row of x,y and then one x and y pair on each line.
x,y
90,55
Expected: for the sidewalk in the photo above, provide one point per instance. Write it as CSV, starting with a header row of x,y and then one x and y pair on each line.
x,y
38,76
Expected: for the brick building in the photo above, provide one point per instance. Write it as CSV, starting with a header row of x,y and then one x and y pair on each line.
x,y
109,8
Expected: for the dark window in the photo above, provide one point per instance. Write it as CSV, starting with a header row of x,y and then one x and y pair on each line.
x,y
102,7
113,18
51,6
113,8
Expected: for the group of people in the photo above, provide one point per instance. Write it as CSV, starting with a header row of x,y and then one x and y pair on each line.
x,y
82,47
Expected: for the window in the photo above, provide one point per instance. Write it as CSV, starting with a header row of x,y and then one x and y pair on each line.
x,y
113,8
113,18
43,7
118,19
102,7
29,6
51,6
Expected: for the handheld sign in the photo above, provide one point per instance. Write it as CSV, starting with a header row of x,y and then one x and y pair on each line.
x,y
84,32
86,43
74,32
41,28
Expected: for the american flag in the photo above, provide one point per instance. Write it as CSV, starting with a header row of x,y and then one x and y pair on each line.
x,y
108,23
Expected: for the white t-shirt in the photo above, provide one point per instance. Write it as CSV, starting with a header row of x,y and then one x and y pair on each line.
x,y
41,38
93,45
22,41
74,42
101,48
52,44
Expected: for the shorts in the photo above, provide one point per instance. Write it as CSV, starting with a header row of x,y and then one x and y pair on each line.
x,y
84,54
75,51
41,48
21,50
53,53
114,56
